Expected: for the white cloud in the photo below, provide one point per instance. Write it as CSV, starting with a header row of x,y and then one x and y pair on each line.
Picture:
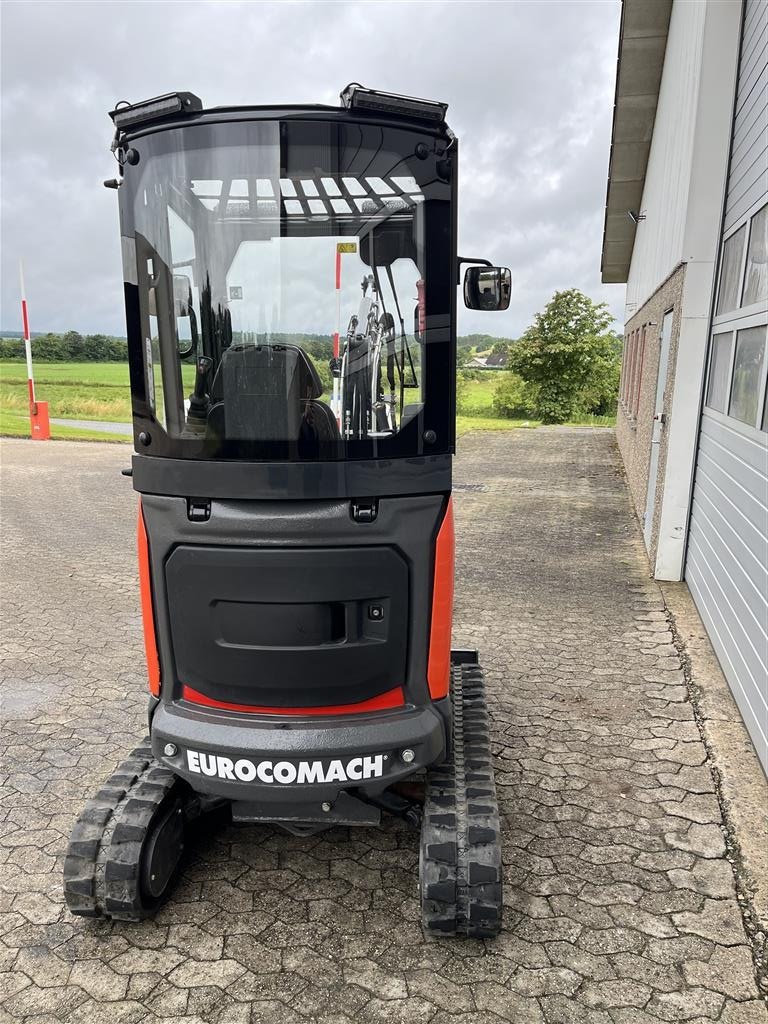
x,y
530,88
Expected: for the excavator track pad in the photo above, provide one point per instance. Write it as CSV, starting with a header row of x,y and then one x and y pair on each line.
x,y
125,848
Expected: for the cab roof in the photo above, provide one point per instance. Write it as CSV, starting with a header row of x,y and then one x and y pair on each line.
x,y
179,109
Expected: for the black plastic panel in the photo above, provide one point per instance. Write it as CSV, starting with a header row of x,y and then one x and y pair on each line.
x,y
276,480
287,627
405,525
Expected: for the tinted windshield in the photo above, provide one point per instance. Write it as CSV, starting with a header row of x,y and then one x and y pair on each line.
x,y
294,289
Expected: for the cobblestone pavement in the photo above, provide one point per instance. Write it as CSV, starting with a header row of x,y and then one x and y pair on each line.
x,y
620,904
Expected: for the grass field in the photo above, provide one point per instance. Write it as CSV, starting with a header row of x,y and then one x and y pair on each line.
x,y
16,424
99,391
466,423
87,391
477,395
82,391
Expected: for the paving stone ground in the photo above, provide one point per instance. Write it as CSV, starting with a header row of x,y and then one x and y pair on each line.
x,y
620,905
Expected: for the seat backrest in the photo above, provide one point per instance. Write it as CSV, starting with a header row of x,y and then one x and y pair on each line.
x,y
263,389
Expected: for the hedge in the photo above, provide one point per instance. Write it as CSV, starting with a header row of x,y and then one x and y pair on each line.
x,y
68,348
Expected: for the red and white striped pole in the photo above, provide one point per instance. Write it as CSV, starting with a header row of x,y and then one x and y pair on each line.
x,y
38,411
27,338
336,404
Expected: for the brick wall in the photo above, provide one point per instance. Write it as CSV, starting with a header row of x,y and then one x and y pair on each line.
x,y
637,400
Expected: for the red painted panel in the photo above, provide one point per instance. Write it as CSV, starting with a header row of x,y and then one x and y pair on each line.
x,y
439,665
147,611
391,699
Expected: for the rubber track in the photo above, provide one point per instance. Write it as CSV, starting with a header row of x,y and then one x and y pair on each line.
x,y
460,862
103,860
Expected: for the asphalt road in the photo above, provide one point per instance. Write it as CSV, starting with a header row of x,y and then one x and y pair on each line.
x,y
620,904
104,426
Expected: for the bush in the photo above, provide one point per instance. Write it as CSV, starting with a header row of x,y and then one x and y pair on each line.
x,y
514,398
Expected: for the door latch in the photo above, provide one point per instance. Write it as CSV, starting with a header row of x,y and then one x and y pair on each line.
x,y
365,511
198,510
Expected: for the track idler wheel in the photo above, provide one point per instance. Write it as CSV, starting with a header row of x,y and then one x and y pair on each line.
x,y
126,846
460,871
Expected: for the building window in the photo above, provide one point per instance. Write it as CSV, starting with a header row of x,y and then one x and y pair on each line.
x,y
756,273
738,359
632,371
747,379
640,358
626,363
631,364
623,381
719,371
730,273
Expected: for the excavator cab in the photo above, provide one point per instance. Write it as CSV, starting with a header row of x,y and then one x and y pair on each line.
x,y
290,279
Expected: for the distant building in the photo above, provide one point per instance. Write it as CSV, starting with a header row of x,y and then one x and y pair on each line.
x,y
497,360
686,228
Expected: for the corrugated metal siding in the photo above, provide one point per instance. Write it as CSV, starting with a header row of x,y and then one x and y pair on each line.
x,y
658,244
727,560
748,178
727,567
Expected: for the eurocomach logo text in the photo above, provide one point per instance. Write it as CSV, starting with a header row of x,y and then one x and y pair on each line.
x,y
285,772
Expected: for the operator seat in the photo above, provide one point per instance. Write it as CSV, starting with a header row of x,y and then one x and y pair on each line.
x,y
270,393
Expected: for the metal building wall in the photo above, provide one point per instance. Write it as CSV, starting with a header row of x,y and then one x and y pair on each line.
x,y
659,241
727,558
749,159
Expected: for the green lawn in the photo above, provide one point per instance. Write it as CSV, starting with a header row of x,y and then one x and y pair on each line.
x,y
87,391
16,424
113,375
466,423
477,395
82,391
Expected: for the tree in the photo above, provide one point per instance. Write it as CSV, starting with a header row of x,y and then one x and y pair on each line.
x,y
601,392
514,398
568,355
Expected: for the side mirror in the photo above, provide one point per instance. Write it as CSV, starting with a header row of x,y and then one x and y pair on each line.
x,y
183,308
487,288
182,295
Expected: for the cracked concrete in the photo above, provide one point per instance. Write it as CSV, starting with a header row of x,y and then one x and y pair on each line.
x,y
620,902
742,785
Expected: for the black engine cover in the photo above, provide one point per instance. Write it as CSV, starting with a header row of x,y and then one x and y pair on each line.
x,y
288,627
293,603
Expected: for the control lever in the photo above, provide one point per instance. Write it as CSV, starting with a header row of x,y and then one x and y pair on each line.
x,y
198,400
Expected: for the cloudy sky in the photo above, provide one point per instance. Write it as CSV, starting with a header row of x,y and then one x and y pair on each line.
x,y
529,87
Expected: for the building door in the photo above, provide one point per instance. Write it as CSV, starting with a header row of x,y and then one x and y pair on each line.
x,y
727,562
658,428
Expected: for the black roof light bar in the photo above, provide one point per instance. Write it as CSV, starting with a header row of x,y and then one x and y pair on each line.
x,y
126,115
357,97
129,115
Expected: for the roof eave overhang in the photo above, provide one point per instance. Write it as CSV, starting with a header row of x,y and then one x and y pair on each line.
x,y
642,45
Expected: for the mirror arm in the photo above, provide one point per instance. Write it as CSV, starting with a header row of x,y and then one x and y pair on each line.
x,y
465,259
